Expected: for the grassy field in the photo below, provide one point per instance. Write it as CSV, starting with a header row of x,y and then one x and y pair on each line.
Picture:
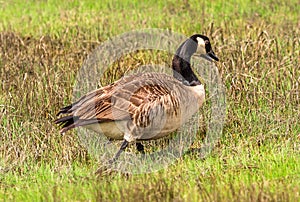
x,y
43,45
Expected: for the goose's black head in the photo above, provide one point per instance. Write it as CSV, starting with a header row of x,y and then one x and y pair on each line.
x,y
198,45
204,46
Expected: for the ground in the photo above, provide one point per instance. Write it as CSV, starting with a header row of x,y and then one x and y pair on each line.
x,y
43,46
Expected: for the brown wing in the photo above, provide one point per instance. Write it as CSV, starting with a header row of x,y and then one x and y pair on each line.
x,y
144,98
128,98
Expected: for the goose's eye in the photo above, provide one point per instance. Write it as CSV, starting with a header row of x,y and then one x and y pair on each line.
x,y
206,42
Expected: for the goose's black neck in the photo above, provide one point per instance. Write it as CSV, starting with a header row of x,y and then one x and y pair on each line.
x,y
181,63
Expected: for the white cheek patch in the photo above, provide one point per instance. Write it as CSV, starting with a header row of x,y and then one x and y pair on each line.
x,y
201,42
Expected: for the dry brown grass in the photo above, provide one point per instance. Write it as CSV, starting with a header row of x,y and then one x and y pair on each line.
x,y
260,71
259,67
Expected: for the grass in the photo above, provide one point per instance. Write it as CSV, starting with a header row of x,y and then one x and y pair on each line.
x,y
43,45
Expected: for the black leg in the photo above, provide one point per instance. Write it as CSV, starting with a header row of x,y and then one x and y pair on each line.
x,y
140,147
122,148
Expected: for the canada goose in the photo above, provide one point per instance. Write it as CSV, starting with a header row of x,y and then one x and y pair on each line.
x,y
143,106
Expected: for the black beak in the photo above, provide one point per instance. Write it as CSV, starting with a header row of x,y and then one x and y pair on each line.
x,y
212,55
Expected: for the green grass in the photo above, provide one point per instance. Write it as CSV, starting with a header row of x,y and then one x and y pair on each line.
x,y
59,19
43,45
